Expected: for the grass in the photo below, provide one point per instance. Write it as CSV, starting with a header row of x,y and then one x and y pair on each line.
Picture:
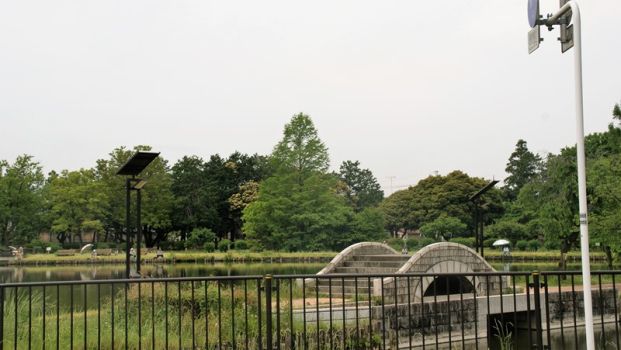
x,y
176,315
181,256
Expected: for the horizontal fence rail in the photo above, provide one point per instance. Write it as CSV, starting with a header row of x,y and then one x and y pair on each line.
x,y
496,310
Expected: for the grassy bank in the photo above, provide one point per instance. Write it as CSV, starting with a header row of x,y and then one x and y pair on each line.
x,y
542,255
181,256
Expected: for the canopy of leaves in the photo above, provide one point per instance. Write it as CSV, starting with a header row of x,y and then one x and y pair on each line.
x,y
362,189
21,204
522,167
444,227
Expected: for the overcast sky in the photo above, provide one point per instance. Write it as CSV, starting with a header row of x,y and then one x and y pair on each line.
x,y
407,88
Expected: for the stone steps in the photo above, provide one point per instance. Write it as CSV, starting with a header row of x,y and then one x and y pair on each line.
x,y
395,257
365,269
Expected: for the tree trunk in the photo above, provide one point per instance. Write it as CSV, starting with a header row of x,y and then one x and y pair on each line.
x,y
608,256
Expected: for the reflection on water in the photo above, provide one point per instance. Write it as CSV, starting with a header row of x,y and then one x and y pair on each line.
x,y
104,272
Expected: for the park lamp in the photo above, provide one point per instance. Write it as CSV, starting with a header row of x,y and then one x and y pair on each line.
x,y
478,223
134,166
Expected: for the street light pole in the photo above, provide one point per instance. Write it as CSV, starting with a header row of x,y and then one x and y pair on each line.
x,y
555,19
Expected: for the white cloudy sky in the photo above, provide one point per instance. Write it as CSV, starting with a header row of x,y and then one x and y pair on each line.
x,y
406,87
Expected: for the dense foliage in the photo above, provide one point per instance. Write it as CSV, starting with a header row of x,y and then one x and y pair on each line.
x,y
289,200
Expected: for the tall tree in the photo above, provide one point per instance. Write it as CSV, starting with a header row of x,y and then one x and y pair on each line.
x,y
157,198
363,190
522,167
77,203
300,149
298,208
20,199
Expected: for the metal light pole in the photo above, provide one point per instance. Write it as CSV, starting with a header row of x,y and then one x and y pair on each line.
x,y
571,9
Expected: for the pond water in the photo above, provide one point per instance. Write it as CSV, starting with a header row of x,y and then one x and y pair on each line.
x,y
96,272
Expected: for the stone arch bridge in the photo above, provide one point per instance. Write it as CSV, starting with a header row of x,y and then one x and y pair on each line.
x,y
437,258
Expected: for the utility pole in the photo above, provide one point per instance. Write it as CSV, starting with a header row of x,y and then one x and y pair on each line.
x,y
568,19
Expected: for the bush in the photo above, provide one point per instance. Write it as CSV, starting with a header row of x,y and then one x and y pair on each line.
x,y
467,241
425,241
241,245
534,245
224,245
521,245
198,237
552,244
71,245
209,247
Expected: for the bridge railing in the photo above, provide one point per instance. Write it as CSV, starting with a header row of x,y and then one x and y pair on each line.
x,y
335,311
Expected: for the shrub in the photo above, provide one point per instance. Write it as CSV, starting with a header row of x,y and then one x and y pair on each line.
x,y
198,237
534,245
425,241
224,245
209,247
241,245
552,244
467,241
521,245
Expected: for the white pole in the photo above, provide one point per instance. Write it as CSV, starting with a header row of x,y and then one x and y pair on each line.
x,y
584,226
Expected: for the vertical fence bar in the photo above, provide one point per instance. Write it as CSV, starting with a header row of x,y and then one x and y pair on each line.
x,y
547,303
370,312
16,314
42,324
448,306
601,306
2,317
614,298
166,313
343,308
232,315
259,318
220,315
357,343
383,315
179,311
139,299
573,298
71,315
396,313
206,317
84,310
193,314
292,340
422,311
528,309
317,312
29,317
278,314
515,325
152,316
476,312
126,312
435,308
245,313
409,312
304,312
112,316
330,329
561,312
538,310
268,311
98,315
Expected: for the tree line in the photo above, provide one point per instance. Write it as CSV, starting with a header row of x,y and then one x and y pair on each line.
x,y
285,200
289,200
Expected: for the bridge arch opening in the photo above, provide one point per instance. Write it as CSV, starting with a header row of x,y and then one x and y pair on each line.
x,y
444,285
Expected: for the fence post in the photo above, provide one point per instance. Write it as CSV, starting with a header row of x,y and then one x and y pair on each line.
x,y
537,294
268,311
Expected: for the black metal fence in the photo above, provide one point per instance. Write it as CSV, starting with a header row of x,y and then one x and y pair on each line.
x,y
505,310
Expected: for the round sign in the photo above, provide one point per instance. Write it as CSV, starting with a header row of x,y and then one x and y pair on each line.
x,y
533,12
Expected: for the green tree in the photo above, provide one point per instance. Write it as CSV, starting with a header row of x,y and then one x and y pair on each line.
x,y
299,207
396,211
21,202
157,198
363,190
522,167
510,230
301,150
444,227
77,204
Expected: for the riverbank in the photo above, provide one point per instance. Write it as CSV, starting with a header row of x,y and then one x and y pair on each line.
x,y
269,257
180,257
